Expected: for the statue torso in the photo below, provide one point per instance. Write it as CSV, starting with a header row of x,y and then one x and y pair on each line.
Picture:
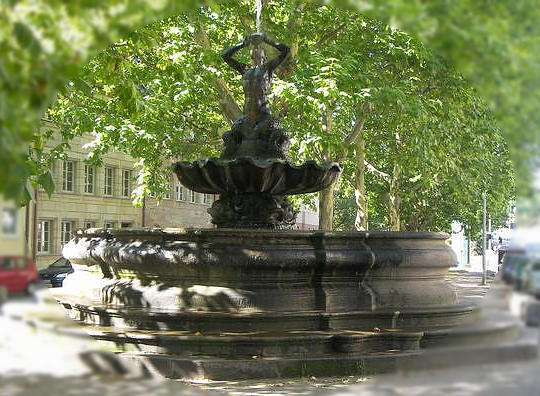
x,y
256,82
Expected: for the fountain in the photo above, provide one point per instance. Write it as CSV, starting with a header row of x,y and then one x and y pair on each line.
x,y
253,299
253,175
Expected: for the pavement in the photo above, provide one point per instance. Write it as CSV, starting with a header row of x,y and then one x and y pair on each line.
x,y
37,362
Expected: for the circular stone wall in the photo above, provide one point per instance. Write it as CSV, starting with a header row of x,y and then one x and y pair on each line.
x,y
305,280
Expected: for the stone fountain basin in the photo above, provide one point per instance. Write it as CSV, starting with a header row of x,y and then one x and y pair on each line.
x,y
259,279
248,175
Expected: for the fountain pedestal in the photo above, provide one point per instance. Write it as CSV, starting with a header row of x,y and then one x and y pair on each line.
x,y
252,191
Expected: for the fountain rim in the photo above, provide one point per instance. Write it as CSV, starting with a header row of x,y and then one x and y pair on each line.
x,y
173,233
261,163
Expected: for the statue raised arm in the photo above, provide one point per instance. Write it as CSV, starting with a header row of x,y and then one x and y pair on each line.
x,y
256,39
257,78
228,56
284,52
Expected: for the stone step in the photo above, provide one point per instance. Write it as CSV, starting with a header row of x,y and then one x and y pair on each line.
x,y
523,348
218,322
261,344
494,326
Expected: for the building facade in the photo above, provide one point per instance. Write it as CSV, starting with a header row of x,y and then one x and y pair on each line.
x,y
16,229
180,207
87,197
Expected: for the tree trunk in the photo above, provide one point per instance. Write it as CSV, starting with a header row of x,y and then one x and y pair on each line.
x,y
326,208
326,196
393,200
361,222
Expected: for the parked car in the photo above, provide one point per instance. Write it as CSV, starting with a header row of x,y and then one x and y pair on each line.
x,y
18,274
520,267
511,267
532,277
56,272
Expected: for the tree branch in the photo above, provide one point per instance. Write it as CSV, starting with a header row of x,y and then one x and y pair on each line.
x,y
377,172
356,130
287,68
229,108
333,33
318,154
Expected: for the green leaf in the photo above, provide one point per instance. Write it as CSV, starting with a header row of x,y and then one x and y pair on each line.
x,y
46,180
82,86
28,194
25,37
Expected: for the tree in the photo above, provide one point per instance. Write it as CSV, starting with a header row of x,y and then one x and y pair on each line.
x,y
162,93
494,46
45,43
335,96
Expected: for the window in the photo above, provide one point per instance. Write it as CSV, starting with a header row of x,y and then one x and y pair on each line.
x,y
44,236
9,221
88,179
89,224
67,232
180,193
126,224
109,224
67,175
192,196
168,192
21,263
206,199
8,263
109,180
126,183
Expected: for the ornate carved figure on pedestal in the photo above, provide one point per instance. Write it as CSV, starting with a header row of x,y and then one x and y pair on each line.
x,y
253,175
256,134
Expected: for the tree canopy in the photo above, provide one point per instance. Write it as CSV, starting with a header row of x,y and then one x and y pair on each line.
x,y
44,44
354,88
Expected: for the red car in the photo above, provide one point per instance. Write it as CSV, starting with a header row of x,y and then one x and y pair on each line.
x,y
18,274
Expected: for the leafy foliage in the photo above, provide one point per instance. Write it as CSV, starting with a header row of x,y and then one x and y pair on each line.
x,y
341,63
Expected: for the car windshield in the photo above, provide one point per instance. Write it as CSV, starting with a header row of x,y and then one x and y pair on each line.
x,y
61,262
7,263
515,259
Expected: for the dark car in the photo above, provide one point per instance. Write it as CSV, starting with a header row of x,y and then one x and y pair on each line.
x,y
56,272
512,263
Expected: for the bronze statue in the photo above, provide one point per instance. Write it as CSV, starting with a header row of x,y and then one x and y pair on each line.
x,y
253,175
257,134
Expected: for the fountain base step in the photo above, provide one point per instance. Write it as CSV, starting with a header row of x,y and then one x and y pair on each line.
x,y
223,322
525,347
176,354
234,346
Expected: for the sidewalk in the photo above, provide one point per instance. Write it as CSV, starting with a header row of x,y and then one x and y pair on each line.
x,y
33,362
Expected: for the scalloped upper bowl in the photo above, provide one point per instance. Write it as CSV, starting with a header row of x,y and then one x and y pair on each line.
x,y
248,175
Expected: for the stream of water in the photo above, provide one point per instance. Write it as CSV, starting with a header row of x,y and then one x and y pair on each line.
x,y
258,7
